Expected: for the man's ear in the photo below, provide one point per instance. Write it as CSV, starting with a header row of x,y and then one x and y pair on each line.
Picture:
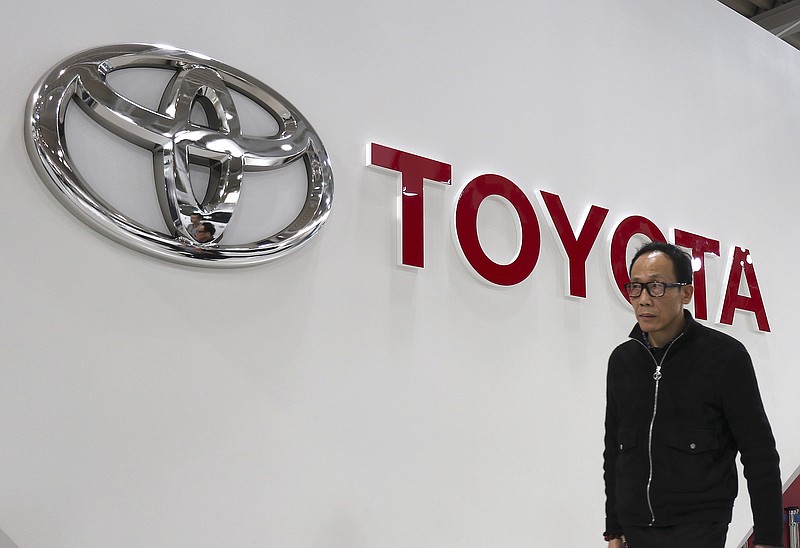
x,y
688,291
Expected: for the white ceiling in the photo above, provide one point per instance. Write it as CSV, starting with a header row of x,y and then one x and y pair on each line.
x,y
780,17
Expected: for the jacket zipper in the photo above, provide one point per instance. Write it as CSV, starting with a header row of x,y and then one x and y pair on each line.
x,y
657,377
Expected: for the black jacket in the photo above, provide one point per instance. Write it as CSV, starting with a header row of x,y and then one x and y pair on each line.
x,y
671,442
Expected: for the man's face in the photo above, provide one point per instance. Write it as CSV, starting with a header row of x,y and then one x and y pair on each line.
x,y
202,234
660,317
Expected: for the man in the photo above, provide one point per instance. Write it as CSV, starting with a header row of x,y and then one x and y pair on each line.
x,y
204,233
682,401
195,220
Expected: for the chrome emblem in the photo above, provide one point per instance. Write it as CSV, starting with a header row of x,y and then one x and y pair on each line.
x,y
196,227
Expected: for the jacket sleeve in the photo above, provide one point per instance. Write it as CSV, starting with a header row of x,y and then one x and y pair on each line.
x,y
613,526
750,427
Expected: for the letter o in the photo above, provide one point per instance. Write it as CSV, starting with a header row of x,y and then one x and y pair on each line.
x,y
619,246
466,227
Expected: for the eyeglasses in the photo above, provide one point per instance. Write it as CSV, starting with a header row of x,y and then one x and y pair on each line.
x,y
654,289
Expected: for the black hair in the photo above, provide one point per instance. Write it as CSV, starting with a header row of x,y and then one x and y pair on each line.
x,y
681,261
209,228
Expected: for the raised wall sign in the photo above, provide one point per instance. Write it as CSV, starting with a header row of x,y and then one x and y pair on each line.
x,y
575,243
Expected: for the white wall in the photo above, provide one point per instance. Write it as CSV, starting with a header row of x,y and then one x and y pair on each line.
x,y
340,400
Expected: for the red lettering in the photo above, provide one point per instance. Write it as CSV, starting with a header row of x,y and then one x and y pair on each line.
x,y
698,246
469,201
576,242
625,230
575,250
742,263
413,169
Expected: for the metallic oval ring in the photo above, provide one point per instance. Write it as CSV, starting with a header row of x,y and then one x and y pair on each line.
x,y
176,142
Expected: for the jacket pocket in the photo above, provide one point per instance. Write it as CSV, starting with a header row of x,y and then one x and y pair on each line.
x,y
628,460
631,473
690,454
691,440
626,440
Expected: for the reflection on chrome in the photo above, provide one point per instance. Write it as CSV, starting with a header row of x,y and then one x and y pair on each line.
x,y
197,227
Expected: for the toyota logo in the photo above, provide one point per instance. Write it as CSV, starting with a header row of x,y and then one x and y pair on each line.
x,y
196,228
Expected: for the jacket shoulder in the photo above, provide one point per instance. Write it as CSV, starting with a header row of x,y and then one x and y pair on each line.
x,y
714,339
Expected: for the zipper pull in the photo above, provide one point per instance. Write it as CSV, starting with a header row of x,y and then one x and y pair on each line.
x,y
657,374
